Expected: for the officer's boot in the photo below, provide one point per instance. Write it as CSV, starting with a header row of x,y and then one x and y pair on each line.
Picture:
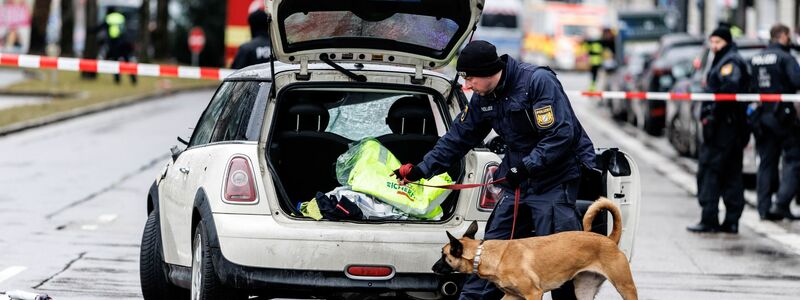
x,y
783,211
729,227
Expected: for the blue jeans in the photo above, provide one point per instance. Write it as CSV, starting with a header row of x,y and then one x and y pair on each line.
x,y
541,214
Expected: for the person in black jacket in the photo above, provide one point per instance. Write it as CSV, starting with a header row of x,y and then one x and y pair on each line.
x,y
775,71
257,50
547,150
725,133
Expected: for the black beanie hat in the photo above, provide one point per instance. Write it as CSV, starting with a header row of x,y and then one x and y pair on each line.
x,y
723,33
479,59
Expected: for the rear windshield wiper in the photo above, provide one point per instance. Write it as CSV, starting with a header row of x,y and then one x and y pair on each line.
x,y
324,58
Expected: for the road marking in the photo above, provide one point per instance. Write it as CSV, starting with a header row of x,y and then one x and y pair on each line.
x,y
89,227
108,218
11,272
681,177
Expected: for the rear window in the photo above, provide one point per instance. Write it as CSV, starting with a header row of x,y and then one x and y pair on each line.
x,y
362,115
426,31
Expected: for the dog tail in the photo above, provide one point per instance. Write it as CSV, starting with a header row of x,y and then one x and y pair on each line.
x,y
597,207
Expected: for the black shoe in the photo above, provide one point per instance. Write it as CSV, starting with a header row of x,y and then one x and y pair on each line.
x,y
729,228
771,217
701,228
783,213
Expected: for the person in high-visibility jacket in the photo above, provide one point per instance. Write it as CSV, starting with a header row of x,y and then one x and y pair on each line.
x,y
117,39
594,47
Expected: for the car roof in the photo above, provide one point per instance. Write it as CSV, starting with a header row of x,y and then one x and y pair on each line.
x,y
262,71
680,38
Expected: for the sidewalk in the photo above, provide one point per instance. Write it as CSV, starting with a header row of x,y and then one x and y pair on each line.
x,y
24,103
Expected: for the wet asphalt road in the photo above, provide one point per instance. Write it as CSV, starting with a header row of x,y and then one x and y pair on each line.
x,y
72,208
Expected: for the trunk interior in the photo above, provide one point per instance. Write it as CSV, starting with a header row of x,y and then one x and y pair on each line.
x,y
314,127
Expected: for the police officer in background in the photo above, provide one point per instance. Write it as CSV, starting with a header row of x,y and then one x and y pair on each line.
x,y
775,125
257,50
725,133
547,149
120,46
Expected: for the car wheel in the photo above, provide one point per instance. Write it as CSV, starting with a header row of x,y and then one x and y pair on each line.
x,y
205,283
152,269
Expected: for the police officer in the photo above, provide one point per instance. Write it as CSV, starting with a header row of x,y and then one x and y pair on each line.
x,y
117,39
725,133
257,50
775,71
547,149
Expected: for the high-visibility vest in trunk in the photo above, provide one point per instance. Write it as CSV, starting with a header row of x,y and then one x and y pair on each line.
x,y
367,168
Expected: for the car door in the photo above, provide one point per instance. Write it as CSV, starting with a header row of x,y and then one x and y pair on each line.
x,y
179,186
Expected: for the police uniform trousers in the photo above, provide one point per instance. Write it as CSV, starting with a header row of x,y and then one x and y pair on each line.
x,y
790,177
539,214
720,174
768,146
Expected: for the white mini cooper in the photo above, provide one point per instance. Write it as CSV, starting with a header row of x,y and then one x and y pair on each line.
x,y
224,221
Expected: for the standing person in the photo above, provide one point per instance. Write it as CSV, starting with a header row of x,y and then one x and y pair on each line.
x,y
117,39
775,71
547,149
257,50
594,47
725,133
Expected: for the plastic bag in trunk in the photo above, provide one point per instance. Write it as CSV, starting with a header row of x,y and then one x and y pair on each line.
x,y
371,208
367,167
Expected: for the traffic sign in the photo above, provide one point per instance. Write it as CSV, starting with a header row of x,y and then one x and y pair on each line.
x,y
197,40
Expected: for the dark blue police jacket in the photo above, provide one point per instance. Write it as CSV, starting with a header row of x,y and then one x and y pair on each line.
x,y
530,110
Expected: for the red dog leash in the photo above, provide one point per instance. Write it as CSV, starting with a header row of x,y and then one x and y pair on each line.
x,y
405,169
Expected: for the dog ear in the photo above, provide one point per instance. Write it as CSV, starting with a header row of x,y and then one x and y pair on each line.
x,y
456,248
472,230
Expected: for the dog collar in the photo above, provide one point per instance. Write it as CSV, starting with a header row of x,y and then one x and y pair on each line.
x,y
477,259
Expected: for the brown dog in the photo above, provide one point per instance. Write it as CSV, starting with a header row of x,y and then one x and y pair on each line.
x,y
527,268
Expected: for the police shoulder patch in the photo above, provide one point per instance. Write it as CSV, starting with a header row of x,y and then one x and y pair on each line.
x,y
544,116
726,69
464,113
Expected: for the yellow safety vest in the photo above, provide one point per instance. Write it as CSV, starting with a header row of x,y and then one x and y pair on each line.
x,y
370,166
115,22
595,53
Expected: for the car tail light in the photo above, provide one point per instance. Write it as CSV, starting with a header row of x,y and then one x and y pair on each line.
x,y
490,194
239,185
369,271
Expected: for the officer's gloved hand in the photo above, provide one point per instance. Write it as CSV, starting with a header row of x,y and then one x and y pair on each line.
x,y
408,173
517,175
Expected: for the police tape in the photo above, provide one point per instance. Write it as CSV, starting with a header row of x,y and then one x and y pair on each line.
x,y
695,96
111,67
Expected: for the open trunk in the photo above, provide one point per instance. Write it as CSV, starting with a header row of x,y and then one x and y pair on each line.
x,y
316,124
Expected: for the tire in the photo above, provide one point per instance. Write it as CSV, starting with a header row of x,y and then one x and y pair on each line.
x,y
205,282
152,269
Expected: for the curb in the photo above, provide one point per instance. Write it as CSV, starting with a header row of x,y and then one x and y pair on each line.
x,y
37,94
99,107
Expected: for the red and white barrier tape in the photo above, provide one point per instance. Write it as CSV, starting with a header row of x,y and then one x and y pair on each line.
x,y
695,96
111,67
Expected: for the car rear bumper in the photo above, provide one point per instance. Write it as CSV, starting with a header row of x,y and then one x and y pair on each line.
x,y
320,283
263,241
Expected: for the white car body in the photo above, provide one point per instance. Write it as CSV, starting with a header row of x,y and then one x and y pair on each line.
x,y
260,248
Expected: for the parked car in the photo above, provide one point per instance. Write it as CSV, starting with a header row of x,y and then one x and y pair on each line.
x,y
223,216
625,80
657,77
683,126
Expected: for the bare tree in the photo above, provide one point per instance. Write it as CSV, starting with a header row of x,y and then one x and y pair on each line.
x,y
144,31
90,48
67,27
161,33
41,12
